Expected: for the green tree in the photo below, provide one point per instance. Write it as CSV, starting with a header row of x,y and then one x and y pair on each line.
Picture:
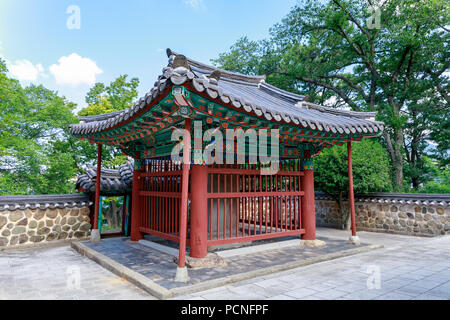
x,y
371,171
439,181
37,154
33,121
119,95
333,49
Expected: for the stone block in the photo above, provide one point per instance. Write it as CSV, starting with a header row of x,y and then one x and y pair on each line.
x,y
76,226
211,260
19,230
37,238
39,214
63,235
85,227
51,214
64,212
79,234
14,240
52,236
15,216
3,242
44,230
33,224
3,221
23,238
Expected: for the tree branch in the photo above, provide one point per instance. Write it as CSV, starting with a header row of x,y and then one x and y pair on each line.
x,y
351,17
345,79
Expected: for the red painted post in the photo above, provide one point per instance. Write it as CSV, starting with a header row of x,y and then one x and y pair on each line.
x,y
184,193
136,234
97,185
351,196
124,212
199,207
308,211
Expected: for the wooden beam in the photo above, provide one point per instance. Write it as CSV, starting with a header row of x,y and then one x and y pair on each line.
x,y
97,186
351,196
184,193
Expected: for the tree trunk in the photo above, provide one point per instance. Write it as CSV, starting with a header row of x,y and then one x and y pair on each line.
x,y
395,152
398,161
343,212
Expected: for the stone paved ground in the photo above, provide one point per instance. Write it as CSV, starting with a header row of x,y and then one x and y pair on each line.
x,y
45,273
161,269
410,268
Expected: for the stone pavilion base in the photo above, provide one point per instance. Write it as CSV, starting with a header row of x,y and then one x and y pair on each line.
x,y
155,271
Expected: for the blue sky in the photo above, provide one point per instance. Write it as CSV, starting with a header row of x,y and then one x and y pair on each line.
x,y
122,37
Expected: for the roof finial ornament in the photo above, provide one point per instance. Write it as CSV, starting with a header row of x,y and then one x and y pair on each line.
x,y
180,61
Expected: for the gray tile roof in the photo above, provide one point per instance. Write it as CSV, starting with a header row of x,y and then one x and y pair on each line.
x,y
250,93
12,203
112,181
442,200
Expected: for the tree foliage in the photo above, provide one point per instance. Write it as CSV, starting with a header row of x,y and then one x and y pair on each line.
x,y
37,154
333,52
119,95
33,122
101,99
371,171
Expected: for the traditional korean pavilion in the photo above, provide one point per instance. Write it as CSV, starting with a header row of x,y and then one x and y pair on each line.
x,y
198,204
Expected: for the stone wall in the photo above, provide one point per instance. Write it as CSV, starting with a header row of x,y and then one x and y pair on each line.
x,y
44,223
419,218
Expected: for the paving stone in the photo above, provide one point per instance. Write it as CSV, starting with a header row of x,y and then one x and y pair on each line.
x,y
300,293
42,274
394,295
281,297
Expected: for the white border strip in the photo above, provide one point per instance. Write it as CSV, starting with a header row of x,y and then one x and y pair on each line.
x,y
258,248
229,252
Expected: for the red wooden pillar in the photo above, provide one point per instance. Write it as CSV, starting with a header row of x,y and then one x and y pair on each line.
x,y
199,207
308,203
97,185
136,234
124,213
184,193
351,196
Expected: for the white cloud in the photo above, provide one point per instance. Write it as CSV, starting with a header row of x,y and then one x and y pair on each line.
x,y
24,70
75,70
196,4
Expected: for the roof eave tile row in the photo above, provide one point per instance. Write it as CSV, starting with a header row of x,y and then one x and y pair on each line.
x,y
12,203
332,120
111,181
439,200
